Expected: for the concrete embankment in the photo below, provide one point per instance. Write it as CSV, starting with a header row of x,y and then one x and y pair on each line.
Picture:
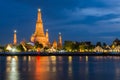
x,y
57,54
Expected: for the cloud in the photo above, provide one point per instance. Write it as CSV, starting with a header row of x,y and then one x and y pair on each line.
x,y
97,12
111,2
111,21
105,28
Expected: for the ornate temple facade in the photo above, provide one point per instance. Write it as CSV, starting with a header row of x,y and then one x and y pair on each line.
x,y
15,38
42,38
59,41
39,35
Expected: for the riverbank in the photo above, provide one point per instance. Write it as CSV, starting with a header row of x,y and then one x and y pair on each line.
x,y
57,54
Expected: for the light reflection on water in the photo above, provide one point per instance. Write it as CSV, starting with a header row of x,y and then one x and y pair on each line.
x,y
59,68
70,66
12,68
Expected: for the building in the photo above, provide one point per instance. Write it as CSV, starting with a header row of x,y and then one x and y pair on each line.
x,y
98,49
116,49
15,38
59,41
54,45
107,48
39,35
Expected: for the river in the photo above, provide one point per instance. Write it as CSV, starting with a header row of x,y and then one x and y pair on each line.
x,y
59,68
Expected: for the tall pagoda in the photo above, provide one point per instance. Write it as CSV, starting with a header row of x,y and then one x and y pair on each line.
x,y
39,35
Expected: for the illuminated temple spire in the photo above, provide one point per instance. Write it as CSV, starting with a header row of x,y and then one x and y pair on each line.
x,y
39,16
60,41
39,25
39,35
47,36
15,38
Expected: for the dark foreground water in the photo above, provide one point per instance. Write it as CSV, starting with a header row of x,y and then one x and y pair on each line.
x,y
59,68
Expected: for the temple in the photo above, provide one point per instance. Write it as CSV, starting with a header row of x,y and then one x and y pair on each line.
x,y
43,38
59,41
39,35
15,38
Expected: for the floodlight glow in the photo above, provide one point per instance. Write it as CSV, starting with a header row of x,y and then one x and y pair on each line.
x,y
47,30
15,31
39,9
13,50
59,33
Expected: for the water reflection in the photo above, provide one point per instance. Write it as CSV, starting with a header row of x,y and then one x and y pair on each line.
x,y
53,59
12,68
70,66
80,58
86,58
60,58
70,59
41,68
86,67
59,68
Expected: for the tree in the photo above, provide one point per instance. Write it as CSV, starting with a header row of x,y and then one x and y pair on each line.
x,y
98,44
20,48
75,46
46,48
38,45
68,45
104,44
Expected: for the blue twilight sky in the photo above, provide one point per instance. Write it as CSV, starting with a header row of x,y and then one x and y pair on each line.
x,y
77,20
